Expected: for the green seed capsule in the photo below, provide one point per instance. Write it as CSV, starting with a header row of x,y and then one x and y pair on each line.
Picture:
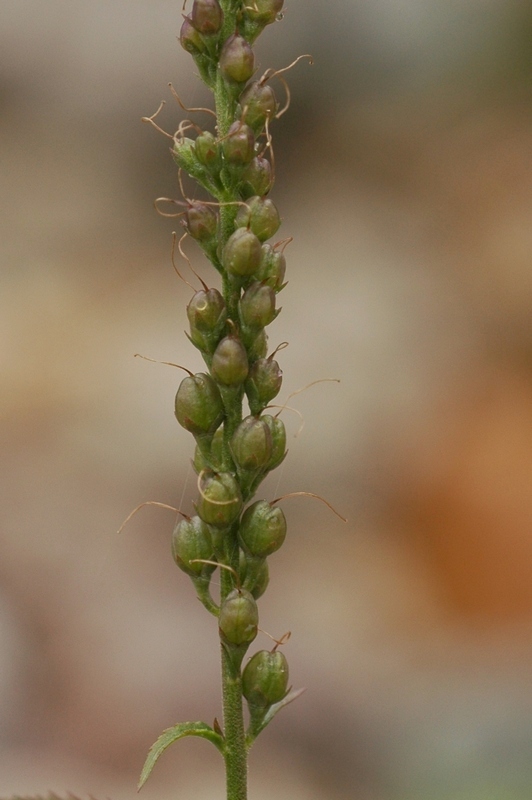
x,y
278,432
258,105
191,540
254,574
261,216
272,267
207,150
242,253
237,61
257,306
190,39
230,362
262,529
257,178
262,580
220,500
252,445
264,11
265,678
207,16
214,462
200,221
263,383
239,618
258,347
198,405
206,314
238,147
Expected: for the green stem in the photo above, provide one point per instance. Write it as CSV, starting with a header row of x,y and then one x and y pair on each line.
x,y
235,753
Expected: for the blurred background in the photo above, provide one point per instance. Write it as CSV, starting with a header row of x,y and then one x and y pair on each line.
x,y
404,173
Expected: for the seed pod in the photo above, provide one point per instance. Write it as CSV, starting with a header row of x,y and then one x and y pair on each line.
x,y
198,404
265,678
252,444
257,177
220,500
262,529
238,146
264,11
272,267
258,347
258,105
207,16
254,574
260,215
237,60
257,306
263,383
207,150
242,253
200,221
190,39
239,618
191,539
278,432
206,314
230,362
214,460
262,580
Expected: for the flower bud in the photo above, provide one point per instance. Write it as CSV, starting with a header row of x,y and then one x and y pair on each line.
x,y
257,306
230,362
206,149
198,404
264,11
258,105
263,383
220,500
260,215
200,221
242,253
238,146
237,60
272,267
262,529
207,16
191,539
239,618
252,445
190,39
257,177
265,678
278,432
206,314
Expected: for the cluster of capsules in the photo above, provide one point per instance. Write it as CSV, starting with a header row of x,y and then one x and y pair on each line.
x,y
233,452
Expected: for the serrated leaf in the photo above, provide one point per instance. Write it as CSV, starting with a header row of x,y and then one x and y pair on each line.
x,y
170,736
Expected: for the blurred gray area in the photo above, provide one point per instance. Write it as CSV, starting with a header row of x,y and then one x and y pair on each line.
x,y
404,173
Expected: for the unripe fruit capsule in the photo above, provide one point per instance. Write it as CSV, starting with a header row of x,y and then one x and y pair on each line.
x,y
239,617
206,310
265,678
220,500
191,540
278,432
260,215
206,149
238,146
237,60
230,362
258,105
272,267
257,177
207,16
257,306
198,404
264,11
190,39
242,253
200,221
200,462
263,383
262,529
251,444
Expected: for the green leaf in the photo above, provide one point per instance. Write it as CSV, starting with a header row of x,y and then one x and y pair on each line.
x,y
260,722
170,736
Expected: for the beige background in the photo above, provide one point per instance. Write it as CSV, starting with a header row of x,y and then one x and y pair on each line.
x,y
404,172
